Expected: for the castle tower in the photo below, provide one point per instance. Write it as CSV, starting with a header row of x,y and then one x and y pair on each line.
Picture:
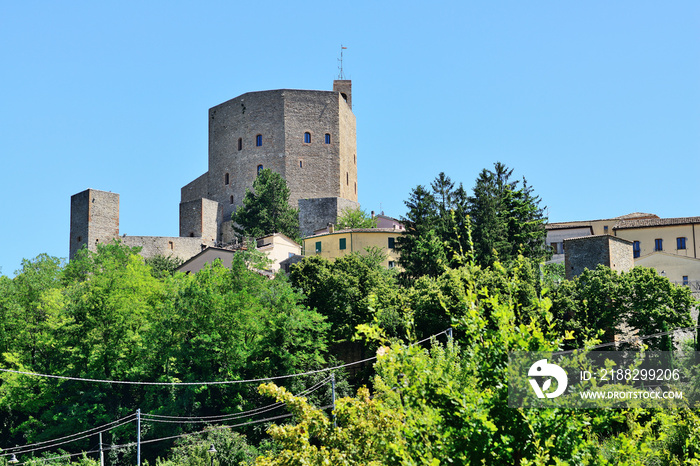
x,y
308,137
94,218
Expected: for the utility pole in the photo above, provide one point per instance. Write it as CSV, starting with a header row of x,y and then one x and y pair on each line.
x,y
138,437
102,453
333,396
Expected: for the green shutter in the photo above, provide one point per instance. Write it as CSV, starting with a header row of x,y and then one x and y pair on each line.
x,y
342,243
318,247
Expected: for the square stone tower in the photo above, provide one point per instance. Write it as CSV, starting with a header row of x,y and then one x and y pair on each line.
x,y
94,218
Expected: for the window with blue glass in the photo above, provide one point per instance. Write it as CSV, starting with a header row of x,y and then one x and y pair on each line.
x,y
328,138
680,243
392,243
258,140
636,249
342,244
260,168
307,138
658,244
686,282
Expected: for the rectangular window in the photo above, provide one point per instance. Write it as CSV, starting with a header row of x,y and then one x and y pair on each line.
x,y
636,249
342,243
658,244
392,243
258,140
318,247
605,229
328,138
392,264
680,243
686,282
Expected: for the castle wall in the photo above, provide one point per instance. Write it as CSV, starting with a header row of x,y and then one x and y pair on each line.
x,y
196,189
94,219
348,152
316,213
201,218
244,117
182,248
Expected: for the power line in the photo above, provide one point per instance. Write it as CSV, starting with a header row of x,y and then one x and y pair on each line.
x,y
224,382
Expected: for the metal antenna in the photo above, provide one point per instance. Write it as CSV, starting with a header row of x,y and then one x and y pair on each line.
x,y
340,75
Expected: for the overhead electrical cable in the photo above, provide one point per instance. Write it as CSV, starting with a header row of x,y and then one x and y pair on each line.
x,y
223,382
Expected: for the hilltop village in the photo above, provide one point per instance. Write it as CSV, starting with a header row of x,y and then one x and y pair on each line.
x,y
309,138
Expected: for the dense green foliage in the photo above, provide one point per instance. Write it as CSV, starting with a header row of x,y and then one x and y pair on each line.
x,y
111,315
266,209
355,218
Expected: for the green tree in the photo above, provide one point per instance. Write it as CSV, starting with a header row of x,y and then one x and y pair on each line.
x,y
266,209
506,217
355,217
162,266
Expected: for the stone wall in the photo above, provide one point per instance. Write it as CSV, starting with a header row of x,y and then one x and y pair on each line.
x,y
589,251
196,189
94,219
201,218
317,213
182,248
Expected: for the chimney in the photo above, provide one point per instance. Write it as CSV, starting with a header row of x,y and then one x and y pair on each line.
x,y
372,214
331,228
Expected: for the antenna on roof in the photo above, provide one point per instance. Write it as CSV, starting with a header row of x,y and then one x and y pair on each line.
x,y
340,75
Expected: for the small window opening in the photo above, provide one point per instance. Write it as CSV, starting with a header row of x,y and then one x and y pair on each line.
x,y
354,159
328,138
345,96
191,234
226,179
240,143
80,238
347,178
260,168
355,188
258,140
171,245
301,164
307,138
230,200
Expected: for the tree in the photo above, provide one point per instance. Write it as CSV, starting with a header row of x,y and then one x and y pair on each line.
x,y
266,209
355,217
506,217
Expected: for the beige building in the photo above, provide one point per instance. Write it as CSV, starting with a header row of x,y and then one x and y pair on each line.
x,y
335,244
668,245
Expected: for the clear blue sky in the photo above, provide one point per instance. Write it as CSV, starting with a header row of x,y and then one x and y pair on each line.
x,y
597,103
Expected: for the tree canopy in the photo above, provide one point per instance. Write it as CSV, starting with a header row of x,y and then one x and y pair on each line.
x,y
266,209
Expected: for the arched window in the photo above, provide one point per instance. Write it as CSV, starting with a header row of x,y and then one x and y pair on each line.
x,y
307,137
258,140
226,179
260,168
240,143
328,138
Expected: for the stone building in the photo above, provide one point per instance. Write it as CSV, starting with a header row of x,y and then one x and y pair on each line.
x,y
306,136
587,252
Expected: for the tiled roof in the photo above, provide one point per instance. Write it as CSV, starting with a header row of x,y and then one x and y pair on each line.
x,y
587,223
655,222
360,230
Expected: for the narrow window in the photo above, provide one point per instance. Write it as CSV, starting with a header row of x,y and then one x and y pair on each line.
x,y
318,247
347,179
605,229
260,168
301,164
355,188
171,245
307,138
636,249
226,179
240,143
258,140
80,238
354,159
680,243
658,244
328,138
342,243
392,242
231,200
686,282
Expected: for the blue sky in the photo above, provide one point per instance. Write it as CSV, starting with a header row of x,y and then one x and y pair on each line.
x,y
597,104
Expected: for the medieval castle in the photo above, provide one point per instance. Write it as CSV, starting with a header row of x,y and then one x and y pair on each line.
x,y
306,136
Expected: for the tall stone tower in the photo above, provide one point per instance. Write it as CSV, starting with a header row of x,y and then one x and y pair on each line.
x,y
308,137
94,218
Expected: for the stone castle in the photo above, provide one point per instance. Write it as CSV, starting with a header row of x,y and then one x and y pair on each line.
x,y
306,136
